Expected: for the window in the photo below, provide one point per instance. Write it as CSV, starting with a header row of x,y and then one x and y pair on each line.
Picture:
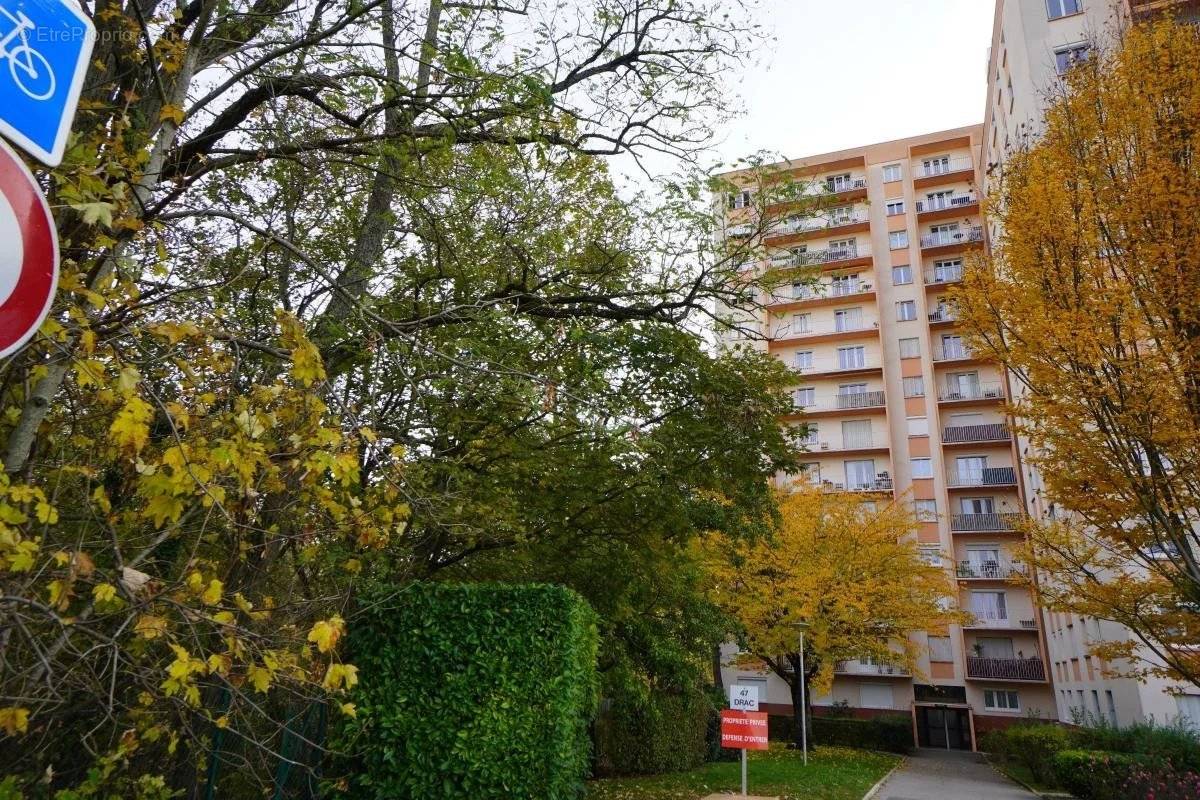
x,y
843,248
801,323
739,199
901,275
839,183
847,319
803,359
906,310
936,166
962,386
875,695
989,606
1067,57
977,505
811,472
918,426
1062,8
803,291
910,347
1112,708
897,239
860,474
952,346
926,510
809,437
851,388
841,215
970,469
994,646
842,285
856,433
802,398
921,467
1000,700
891,172
894,207
940,649
852,357
946,271
936,201
914,386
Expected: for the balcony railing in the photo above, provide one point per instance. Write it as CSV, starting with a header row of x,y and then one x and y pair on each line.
x,y
860,400
990,570
951,352
939,203
964,236
845,186
806,224
989,432
988,476
880,483
944,274
943,168
980,391
810,258
984,523
859,668
847,365
942,314
1013,669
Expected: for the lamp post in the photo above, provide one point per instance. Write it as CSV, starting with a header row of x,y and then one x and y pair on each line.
x,y
801,626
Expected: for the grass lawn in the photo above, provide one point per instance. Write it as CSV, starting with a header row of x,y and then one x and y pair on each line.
x,y
1021,774
833,773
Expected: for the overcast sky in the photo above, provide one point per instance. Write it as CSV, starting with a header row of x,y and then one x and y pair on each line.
x,y
843,73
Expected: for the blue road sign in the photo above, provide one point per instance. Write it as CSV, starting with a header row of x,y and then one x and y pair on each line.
x,y
46,44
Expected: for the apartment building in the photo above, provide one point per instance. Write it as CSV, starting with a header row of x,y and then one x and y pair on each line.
x,y
897,407
1034,42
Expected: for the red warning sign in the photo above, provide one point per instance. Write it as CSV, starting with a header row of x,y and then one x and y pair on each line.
x,y
743,730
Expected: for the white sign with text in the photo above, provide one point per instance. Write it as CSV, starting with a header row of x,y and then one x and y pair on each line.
x,y
743,698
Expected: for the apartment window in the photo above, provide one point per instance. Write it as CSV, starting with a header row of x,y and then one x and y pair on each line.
x,y
847,248
891,172
948,270
977,505
1000,700
801,323
936,166
926,510
918,426
914,386
739,199
940,649
894,207
852,357
921,467
994,646
902,275
841,215
860,474
856,433
897,239
910,347
842,285
804,359
1062,8
970,468
1189,709
803,291
811,472
906,310
1112,708
875,695
852,388
1067,57
935,201
847,319
952,346
839,183
989,606
804,397
809,437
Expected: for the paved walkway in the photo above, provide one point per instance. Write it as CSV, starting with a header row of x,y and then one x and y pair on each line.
x,y
949,775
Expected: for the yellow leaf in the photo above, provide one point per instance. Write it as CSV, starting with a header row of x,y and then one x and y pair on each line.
x,y
149,626
325,633
104,592
171,112
60,594
46,513
259,677
131,428
128,379
349,709
340,675
212,595
14,720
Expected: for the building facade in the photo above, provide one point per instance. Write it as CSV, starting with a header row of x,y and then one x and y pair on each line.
x,y
1033,44
898,408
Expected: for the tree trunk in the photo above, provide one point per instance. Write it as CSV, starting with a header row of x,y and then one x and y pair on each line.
x,y
718,679
801,708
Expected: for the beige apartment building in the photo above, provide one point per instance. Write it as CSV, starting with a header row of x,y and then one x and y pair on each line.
x,y
1033,43
898,408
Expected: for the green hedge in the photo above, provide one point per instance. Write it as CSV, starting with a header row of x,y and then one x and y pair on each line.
x,y
1032,745
478,691
1100,775
653,733
891,733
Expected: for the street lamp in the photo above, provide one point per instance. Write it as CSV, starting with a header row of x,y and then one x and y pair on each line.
x,y
802,626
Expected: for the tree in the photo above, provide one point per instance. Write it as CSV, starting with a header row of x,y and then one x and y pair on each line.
x,y
849,570
348,294
1088,297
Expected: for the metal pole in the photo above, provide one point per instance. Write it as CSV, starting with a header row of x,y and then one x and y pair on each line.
x,y
744,793
803,704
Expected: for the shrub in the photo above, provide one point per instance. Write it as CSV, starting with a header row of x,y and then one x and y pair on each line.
x,y
1143,783
1101,775
654,733
1175,744
781,728
481,691
891,733
1032,745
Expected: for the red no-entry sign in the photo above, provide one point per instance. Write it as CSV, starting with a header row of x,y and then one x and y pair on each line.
x,y
743,730
28,254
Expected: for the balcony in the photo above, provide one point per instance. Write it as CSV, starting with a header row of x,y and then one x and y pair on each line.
x,y
846,366
940,276
824,291
952,352
859,668
952,239
980,391
985,523
954,202
829,255
990,570
1006,669
842,186
942,314
949,167
963,434
881,483
988,476
999,620
804,225
860,400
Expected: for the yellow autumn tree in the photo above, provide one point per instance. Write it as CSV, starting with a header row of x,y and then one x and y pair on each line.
x,y
1089,296
849,570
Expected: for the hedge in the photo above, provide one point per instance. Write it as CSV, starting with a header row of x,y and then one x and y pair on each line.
x,y
1032,745
1101,775
891,733
472,691
653,733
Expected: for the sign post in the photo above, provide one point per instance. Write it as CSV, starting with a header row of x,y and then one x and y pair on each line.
x,y
47,44
743,727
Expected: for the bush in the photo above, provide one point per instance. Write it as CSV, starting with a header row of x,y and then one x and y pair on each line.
x,y
1101,775
481,691
1032,745
891,733
1143,783
1175,744
654,733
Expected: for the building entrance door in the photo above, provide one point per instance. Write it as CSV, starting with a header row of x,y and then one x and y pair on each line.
x,y
943,727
